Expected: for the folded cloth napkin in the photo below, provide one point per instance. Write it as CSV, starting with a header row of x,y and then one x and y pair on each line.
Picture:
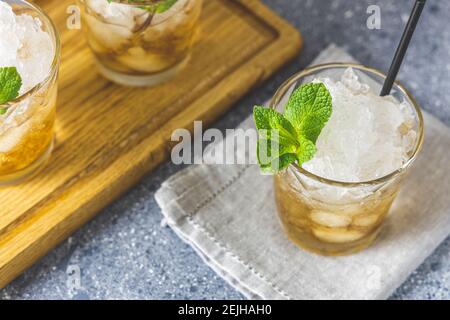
x,y
227,214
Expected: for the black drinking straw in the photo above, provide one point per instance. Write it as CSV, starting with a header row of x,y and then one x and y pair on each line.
x,y
402,47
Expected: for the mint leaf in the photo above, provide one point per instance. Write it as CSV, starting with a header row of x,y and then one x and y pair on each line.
x,y
273,157
165,5
279,144
271,149
309,109
267,120
10,83
291,137
160,6
277,147
305,151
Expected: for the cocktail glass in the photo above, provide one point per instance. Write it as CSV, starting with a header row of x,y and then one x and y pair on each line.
x,y
27,122
334,217
135,45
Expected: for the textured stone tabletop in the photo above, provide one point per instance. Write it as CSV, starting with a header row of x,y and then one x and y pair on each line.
x,y
125,253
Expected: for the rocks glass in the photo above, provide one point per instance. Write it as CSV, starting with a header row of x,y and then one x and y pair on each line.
x,y
26,123
334,217
140,43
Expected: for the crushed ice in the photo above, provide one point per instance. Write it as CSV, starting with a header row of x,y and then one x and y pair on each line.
x,y
367,136
24,45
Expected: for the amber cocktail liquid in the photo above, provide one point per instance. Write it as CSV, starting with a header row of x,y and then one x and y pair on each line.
x,y
336,203
141,44
327,227
26,123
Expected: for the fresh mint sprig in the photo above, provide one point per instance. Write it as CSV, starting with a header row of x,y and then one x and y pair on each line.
x,y
158,7
10,83
288,138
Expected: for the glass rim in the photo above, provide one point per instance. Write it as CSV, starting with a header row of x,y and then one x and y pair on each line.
x,y
136,4
56,58
281,91
141,4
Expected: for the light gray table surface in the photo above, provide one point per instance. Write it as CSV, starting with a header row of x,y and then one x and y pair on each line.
x,y
125,253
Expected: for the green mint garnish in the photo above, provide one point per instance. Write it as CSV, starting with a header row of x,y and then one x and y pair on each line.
x,y
165,5
309,109
158,7
10,83
288,138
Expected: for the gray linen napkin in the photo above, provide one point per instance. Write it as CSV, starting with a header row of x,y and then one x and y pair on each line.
x,y
227,214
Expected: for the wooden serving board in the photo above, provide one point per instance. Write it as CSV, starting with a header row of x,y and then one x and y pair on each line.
x,y
109,137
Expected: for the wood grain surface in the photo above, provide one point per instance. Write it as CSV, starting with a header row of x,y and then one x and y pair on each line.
x,y
109,137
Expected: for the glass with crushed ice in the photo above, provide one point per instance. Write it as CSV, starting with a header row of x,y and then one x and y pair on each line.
x,y
29,42
336,203
140,43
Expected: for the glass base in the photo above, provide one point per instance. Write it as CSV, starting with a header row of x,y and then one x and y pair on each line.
x,y
334,249
141,81
28,172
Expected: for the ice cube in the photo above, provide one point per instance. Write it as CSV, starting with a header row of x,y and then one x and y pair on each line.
x,y
36,53
110,36
351,81
337,235
6,14
12,137
9,41
329,219
117,13
140,60
408,143
365,220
